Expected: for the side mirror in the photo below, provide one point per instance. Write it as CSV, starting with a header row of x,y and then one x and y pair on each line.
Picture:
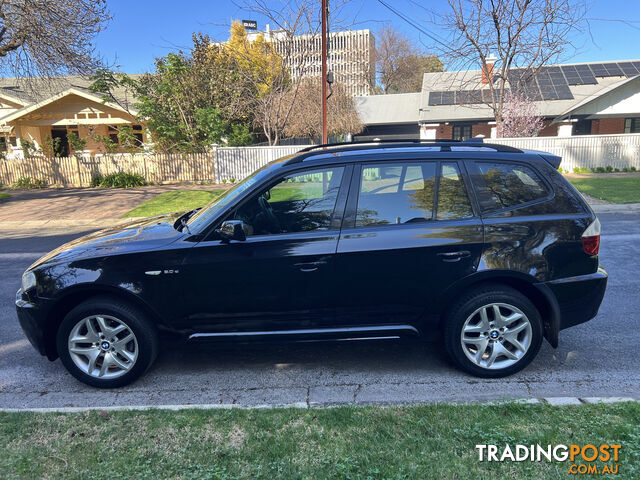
x,y
232,230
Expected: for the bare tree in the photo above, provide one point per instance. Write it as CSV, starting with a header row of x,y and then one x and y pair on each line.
x,y
45,38
306,118
289,20
520,117
523,35
400,64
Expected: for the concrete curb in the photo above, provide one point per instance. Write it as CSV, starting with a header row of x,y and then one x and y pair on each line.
x,y
553,401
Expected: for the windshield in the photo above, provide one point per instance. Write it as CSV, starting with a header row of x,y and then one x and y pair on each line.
x,y
204,216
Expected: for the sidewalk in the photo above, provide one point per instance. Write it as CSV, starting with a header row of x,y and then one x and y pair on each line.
x,y
80,204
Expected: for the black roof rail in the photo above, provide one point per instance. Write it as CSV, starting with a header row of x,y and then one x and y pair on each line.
x,y
444,144
390,140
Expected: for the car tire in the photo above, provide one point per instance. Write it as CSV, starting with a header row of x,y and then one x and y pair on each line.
x,y
493,331
106,342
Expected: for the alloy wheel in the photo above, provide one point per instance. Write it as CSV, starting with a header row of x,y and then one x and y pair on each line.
x,y
496,336
103,346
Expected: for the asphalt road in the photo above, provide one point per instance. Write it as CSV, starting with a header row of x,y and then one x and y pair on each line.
x,y
599,358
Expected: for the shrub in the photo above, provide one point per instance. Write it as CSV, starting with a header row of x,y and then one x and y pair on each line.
x,y
29,183
96,179
580,170
118,180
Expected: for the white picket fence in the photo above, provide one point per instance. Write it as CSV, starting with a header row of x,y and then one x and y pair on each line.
x,y
590,151
235,163
224,164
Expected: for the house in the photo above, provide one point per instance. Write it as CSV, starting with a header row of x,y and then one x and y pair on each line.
x,y
45,110
573,99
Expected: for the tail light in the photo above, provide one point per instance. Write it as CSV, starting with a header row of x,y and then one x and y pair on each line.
x,y
591,238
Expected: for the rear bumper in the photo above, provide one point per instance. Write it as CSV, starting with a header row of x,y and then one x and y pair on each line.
x,y
578,298
31,318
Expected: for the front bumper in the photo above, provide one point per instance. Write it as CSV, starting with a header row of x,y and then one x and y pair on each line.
x,y
31,318
579,298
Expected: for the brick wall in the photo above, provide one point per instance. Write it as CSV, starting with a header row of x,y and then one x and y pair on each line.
x,y
607,126
444,131
481,129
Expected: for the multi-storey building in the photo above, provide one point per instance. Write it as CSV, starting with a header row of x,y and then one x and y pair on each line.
x,y
351,56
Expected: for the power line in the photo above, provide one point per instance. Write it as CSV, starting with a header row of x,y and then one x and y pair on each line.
x,y
414,25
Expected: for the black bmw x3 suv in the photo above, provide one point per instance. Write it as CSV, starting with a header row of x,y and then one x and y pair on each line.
x,y
485,246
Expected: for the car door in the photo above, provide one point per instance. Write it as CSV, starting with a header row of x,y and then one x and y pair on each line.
x,y
280,277
409,232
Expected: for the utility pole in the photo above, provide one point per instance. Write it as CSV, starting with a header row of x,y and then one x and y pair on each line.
x,y
324,71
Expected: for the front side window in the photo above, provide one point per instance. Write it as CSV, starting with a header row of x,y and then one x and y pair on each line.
x,y
505,185
396,193
301,202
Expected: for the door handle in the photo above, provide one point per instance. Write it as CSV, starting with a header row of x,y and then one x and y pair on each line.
x,y
454,256
309,266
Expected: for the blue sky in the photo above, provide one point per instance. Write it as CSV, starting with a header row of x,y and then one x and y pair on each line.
x,y
143,30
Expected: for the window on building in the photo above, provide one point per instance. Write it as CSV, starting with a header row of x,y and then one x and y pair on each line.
x,y
461,132
3,144
632,125
582,127
137,132
113,134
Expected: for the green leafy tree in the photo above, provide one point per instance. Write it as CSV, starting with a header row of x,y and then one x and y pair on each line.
x,y
77,144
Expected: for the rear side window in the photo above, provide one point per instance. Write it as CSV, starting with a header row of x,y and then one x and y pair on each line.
x,y
505,185
453,201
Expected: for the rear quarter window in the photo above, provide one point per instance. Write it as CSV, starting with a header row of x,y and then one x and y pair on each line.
x,y
506,185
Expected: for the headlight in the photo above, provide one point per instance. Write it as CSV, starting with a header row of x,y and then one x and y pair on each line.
x,y
28,280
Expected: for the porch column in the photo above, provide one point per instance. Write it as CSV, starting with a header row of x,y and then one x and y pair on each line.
x,y
428,131
565,129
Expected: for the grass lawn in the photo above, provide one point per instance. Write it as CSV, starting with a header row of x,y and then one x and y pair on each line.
x,y
421,442
173,201
4,195
616,189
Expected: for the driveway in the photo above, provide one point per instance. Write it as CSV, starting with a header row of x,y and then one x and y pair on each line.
x,y
599,358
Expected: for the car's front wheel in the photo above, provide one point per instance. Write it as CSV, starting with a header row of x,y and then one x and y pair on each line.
x,y
106,343
493,331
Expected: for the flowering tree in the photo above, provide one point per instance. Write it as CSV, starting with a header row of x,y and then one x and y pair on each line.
x,y
519,116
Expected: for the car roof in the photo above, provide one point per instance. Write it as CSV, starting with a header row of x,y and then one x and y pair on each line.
x,y
411,149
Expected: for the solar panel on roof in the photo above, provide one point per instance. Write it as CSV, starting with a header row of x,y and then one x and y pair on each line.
x,y
637,65
586,75
571,74
628,68
563,92
548,93
448,98
599,70
613,70
435,98
468,97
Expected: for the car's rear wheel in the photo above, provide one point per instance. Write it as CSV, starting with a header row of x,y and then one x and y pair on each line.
x,y
106,343
493,331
